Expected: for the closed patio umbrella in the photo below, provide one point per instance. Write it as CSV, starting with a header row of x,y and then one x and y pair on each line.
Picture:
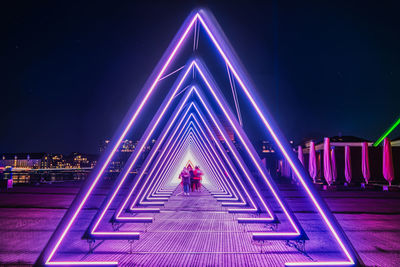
x,y
300,154
388,170
312,162
333,160
327,161
286,171
347,164
365,162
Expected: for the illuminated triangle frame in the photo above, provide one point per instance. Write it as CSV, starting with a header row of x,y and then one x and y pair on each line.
x,y
226,158
155,178
131,161
92,231
221,43
189,163
214,152
239,160
197,64
160,167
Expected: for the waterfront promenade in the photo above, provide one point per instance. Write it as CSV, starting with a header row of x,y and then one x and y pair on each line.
x,y
29,215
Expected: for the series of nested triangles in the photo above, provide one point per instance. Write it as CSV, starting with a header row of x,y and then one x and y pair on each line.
x,y
188,126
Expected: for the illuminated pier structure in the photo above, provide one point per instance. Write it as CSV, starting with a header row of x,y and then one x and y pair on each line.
x,y
241,214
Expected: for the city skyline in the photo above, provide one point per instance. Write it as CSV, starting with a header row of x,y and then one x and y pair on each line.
x,y
314,84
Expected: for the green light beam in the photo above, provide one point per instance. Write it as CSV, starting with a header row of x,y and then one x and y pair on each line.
x,y
388,131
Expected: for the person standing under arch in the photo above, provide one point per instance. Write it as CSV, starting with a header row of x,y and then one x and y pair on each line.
x,y
197,176
185,176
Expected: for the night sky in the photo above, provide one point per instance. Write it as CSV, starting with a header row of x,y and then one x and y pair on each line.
x,y
70,70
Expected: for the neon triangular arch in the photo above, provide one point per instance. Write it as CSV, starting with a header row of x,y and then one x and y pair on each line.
x,y
223,47
135,185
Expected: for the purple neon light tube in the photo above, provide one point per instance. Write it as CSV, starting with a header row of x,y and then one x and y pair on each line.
x,y
217,38
211,146
136,198
154,180
131,194
223,152
148,175
166,156
220,149
226,171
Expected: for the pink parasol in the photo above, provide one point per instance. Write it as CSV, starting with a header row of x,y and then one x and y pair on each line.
x,y
300,154
334,168
312,163
365,162
286,171
388,170
347,164
327,161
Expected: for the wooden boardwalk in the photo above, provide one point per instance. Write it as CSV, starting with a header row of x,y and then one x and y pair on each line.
x,y
197,231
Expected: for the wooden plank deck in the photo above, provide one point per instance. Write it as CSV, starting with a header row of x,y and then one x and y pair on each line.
x,y
198,231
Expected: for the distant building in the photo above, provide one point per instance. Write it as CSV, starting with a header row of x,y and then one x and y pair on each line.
x,y
125,150
266,147
47,160
337,141
396,142
103,145
126,145
51,161
79,160
21,160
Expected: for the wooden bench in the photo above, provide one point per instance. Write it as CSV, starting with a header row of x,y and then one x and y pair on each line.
x,y
233,204
115,236
242,210
134,220
159,203
277,236
257,220
144,210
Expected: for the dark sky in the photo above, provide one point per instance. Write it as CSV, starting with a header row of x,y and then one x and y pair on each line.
x,y
70,70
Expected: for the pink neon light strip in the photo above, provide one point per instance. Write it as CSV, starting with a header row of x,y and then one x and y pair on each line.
x,y
120,140
146,181
208,128
149,161
164,159
150,174
223,152
218,157
269,128
188,139
137,156
180,153
236,157
221,149
173,145
271,131
152,155
228,142
220,161
164,175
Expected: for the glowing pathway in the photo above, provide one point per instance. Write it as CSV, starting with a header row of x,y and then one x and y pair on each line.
x,y
196,231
